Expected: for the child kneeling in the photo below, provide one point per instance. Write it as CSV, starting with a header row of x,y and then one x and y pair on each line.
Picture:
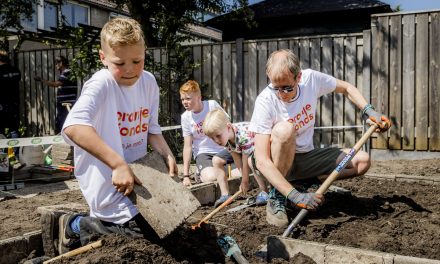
x,y
240,143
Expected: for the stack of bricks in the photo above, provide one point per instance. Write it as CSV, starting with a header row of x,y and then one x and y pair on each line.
x,y
62,154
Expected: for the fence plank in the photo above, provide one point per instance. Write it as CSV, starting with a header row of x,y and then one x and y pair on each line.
x,y
234,113
304,53
294,46
283,44
408,81
434,83
216,73
207,71
39,105
379,89
239,103
327,99
366,64
33,97
226,78
338,99
349,107
272,46
315,61
197,53
20,64
262,59
251,87
421,88
395,82
44,71
52,92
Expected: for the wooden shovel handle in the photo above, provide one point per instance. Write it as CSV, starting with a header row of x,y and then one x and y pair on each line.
x,y
77,251
223,205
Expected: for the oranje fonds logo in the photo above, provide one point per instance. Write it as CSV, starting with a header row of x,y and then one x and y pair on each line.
x,y
134,122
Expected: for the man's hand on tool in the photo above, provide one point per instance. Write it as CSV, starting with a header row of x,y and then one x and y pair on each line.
x,y
309,201
124,179
382,121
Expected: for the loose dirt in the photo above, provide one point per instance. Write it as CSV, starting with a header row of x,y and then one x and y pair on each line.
x,y
390,216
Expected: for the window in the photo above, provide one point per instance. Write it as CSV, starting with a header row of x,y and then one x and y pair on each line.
x,y
74,14
50,16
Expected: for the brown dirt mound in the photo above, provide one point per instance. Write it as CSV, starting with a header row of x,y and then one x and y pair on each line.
x,y
390,216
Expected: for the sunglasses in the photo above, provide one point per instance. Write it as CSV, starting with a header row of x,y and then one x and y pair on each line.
x,y
284,89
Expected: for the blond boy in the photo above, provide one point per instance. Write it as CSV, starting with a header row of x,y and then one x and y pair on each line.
x,y
210,157
239,141
110,125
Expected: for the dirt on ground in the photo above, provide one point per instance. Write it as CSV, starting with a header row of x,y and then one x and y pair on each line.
x,y
389,216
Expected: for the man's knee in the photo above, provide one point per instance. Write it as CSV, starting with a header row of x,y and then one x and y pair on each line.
x,y
283,132
363,161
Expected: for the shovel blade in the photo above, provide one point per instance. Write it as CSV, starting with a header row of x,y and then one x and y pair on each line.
x,y
162,201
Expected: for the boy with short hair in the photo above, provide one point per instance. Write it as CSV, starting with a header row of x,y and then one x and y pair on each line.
x,y
110,125
210,157
239,141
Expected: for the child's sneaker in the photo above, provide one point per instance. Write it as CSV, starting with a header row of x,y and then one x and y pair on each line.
x,y
67,239
221,200
262,198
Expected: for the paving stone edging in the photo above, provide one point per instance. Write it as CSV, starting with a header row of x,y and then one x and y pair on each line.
x,y
287,248
404,177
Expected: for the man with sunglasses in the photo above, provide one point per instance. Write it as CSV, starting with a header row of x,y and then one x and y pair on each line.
x,y
283,120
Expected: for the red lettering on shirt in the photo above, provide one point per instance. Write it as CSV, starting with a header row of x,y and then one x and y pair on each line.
x,y
133,123
302,118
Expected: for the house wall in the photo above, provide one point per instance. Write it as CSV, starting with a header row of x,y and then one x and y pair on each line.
x,y
98,17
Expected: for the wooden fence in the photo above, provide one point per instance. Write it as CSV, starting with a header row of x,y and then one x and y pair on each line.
x,y
402,72
395,65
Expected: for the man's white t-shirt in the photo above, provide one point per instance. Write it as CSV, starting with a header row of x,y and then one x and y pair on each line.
x,y
300,112
192,126
122,117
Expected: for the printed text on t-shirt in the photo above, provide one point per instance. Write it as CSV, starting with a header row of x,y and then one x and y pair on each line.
x,y
198,128
302,118
133,123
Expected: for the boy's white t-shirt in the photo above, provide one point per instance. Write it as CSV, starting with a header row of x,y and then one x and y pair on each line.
x,y
122,117
192,126
300,112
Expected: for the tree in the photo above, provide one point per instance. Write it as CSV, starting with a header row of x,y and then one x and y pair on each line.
x,y
12,12
163,22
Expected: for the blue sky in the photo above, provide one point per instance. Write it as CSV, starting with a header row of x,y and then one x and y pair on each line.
x,y
414,5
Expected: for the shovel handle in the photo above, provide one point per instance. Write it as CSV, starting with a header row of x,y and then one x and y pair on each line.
x,y
77,251
223,205
332,177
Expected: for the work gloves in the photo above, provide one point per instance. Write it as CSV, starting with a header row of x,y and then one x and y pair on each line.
x,y
382,121
310,201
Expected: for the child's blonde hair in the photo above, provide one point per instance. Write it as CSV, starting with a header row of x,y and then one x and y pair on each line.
x,y
121,31
190,86
215,121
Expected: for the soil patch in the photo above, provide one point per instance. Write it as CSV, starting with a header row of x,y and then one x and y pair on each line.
x,y
390,216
